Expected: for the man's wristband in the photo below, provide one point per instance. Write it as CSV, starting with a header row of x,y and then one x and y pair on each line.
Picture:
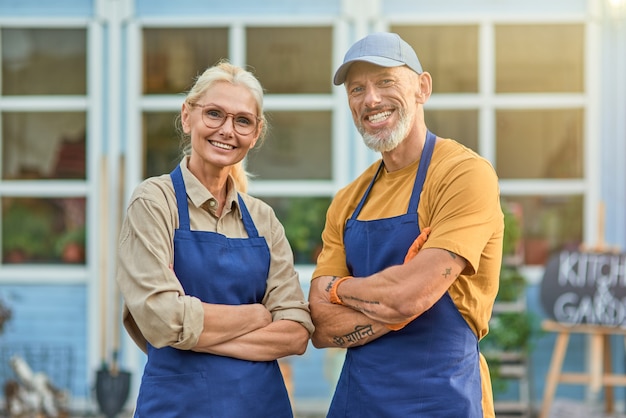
x,y
334,298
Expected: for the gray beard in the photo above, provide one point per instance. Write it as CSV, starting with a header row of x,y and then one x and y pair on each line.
x,y
387,139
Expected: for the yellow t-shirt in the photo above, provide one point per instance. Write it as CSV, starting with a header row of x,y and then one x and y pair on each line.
x,y
460,201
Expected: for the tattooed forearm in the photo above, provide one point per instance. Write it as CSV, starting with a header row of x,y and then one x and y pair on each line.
x,y
355,299
330,283
358,304
360,332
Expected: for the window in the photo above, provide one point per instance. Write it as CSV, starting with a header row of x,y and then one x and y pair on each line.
x,y
539,144
44,61
539,58
43,139
174,57
298,147
43,145
287,60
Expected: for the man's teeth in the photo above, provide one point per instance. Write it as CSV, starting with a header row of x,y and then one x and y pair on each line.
x,y
379,117
221,145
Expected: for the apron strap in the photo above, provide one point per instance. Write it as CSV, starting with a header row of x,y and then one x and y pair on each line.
x,y
247,219
427,153
357,210
181,198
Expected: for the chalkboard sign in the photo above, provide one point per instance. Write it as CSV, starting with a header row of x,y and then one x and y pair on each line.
x,y
585,288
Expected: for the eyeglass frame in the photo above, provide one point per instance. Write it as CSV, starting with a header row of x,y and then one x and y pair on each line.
x,y
251,116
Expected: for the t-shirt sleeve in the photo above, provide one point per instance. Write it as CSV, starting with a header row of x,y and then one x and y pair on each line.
x,y
465,204
332,259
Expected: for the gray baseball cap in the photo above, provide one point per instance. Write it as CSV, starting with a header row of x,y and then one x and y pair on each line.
x,y
381,48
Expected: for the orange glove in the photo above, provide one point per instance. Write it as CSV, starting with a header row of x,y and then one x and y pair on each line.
x,y
334,298
412,252
417,244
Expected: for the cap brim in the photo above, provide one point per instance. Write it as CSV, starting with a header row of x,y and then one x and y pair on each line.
x,y
342,71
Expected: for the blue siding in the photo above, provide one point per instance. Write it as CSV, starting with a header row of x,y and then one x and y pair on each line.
x,y
271,8
49,328
33,8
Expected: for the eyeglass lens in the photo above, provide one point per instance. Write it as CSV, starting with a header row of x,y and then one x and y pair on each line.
x,y
214,117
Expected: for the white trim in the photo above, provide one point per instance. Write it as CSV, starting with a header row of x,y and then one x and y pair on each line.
x,y
592,153
46,274
133,144
292,188
486,89
486,99
543,187
44,188
44,103
95,126
44,22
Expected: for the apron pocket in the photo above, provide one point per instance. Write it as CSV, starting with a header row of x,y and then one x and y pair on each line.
x,y
173,396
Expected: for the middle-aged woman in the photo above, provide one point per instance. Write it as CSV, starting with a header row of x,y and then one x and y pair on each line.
x,y
210,290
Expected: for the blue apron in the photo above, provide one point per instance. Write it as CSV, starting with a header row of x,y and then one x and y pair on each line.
x,y
428,369
187,384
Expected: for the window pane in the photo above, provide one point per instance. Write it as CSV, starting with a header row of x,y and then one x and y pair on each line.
x,y
291,60
448,53
539,58
162,143
303,219
43,145
298,146
37,230
174,57
460,125
549,224
536,144
44,61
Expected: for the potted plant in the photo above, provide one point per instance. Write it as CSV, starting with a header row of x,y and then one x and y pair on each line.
x,y
26,232
304,220
70,246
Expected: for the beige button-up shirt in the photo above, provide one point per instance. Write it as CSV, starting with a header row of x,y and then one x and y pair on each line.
x,y
156,308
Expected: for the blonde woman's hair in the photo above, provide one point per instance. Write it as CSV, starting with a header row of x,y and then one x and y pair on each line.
x,y
224,71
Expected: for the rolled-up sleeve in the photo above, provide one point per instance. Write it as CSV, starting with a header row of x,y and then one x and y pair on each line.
x,y
156,309
284,297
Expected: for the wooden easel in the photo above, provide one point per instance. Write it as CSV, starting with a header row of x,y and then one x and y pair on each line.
x,y
599,372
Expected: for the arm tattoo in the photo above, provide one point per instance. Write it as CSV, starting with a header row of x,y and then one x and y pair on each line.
x,y
330,283
448,271
360,332
346,301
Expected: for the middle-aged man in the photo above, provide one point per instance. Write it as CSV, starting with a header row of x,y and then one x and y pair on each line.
x,y
411,328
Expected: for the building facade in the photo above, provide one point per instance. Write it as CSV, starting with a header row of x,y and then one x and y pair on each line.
x,y
89,92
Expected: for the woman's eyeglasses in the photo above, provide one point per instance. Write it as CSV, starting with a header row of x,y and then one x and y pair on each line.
x,y
214,117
